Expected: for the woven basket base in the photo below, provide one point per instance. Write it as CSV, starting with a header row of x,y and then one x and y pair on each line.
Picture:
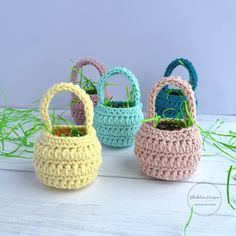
x,y
68,183
116,142
167,174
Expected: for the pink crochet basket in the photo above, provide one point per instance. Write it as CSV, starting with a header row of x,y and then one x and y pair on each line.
x,y
77,107
165,154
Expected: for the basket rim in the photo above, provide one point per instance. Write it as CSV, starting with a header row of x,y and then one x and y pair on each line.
x,y
149,124
120,108
52,136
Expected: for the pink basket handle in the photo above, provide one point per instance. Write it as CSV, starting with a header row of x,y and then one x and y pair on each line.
x,y
175,81
83,62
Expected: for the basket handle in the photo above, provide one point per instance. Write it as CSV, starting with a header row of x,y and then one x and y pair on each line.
x,y
175,81
88,105
115,71
193,78
83,62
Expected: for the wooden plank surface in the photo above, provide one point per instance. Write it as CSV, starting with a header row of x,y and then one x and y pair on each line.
x,y
122,201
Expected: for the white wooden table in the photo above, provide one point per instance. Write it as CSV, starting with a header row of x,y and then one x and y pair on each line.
x,y
122,201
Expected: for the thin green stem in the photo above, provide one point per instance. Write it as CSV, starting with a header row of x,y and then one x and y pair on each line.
x,y
227,187
188,222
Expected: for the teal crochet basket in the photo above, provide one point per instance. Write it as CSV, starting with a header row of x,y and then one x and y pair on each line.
x,y
116,126
170,102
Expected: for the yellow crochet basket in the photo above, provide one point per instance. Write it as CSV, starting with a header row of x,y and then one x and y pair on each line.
x,y
67,162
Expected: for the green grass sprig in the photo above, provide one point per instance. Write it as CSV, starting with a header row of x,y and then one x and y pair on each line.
x,y
130,102
188,222
130,96
108,102
86,83
186,122
19,127
228,187
17,130
156,119
74,132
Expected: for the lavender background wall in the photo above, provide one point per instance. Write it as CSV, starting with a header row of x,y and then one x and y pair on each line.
x,y
38,39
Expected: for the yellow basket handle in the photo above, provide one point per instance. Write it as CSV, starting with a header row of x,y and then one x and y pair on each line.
x,y
88,105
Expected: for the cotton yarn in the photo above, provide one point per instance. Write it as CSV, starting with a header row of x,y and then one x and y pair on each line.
x,y
169,155
77,107
169,104
67,162
116,127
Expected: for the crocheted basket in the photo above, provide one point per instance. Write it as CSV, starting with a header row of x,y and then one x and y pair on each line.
x,y
169,102
117,127
77,107
67,162
164,154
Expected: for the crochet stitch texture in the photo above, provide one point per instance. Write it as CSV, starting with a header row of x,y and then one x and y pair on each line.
x,y
173,101
67,162
77,107
117,127
169,155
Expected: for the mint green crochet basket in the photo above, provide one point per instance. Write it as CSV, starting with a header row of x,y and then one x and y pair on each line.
x,y
117,126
